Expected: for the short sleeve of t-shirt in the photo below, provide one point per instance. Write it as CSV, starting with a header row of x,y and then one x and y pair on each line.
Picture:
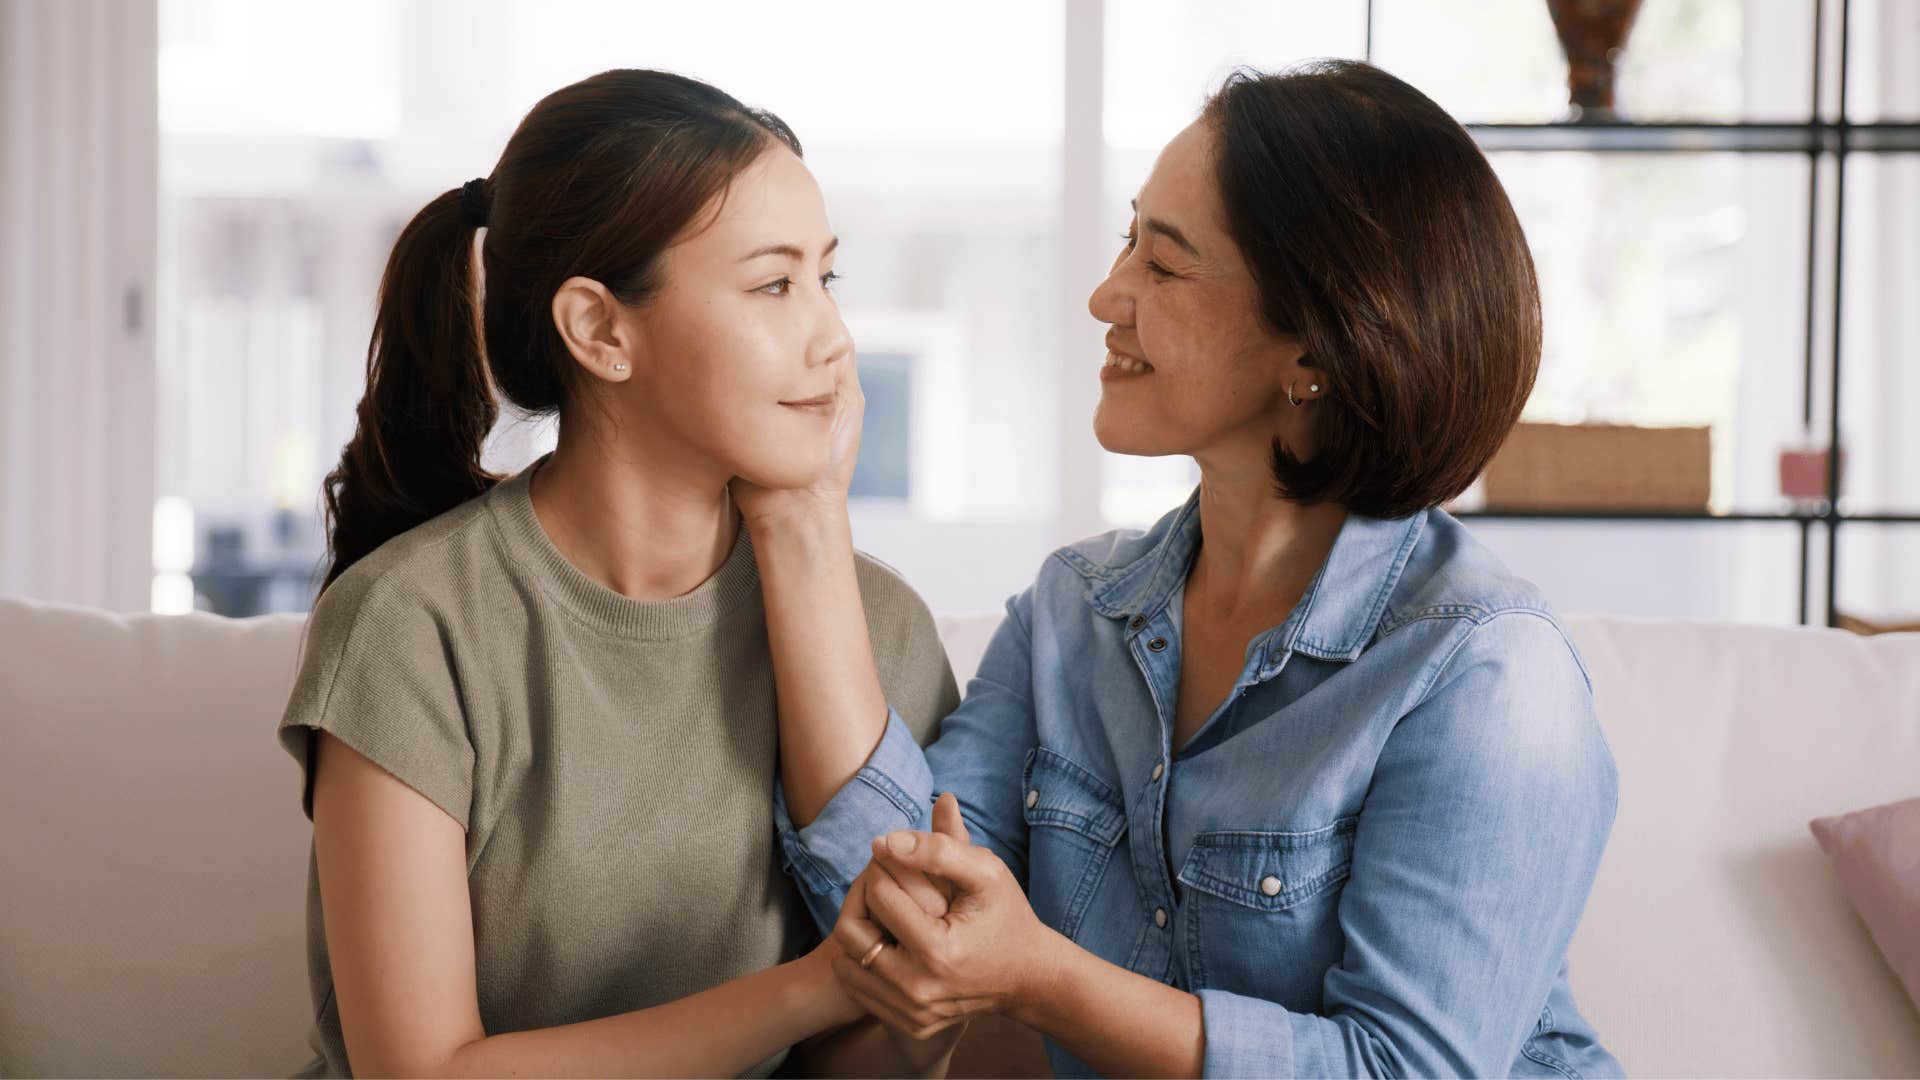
x,y
922,690
377,673
914,673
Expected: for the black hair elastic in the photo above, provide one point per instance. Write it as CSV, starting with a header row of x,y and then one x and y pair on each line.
x,y
474,202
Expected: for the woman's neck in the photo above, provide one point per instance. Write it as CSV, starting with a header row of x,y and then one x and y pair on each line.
x,y
1258,552
646,532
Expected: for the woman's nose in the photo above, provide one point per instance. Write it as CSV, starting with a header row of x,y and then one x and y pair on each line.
x,y
1110,303
832,341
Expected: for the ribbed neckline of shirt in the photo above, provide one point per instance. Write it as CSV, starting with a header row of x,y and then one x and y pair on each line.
x,y
527,544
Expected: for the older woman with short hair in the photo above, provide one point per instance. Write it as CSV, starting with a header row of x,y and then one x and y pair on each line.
x,y
1300,780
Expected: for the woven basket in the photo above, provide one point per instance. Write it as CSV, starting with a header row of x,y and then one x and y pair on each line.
x,y
1601,467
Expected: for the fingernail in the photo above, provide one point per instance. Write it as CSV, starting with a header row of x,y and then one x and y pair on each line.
x,y
902,843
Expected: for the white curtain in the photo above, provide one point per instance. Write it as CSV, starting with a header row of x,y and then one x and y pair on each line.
x,y
79,178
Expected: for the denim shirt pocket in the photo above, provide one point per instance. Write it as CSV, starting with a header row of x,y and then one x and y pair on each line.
x,y
1261,903
1545,1052
1074,822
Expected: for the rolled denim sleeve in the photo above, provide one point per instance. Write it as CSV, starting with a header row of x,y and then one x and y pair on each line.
x,y
893,790
1475,851
979,756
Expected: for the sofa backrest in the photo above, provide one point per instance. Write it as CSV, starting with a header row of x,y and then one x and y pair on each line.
x,y
153,857
1717,940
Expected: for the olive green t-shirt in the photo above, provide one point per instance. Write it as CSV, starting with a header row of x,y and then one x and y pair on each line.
x,y
611,760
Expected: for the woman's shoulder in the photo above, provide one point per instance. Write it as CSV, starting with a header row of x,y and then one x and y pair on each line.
x,y
1461,602
1450,572
908,649
891,601
374,669
416,574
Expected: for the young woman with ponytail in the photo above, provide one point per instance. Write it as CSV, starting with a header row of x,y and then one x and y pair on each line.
x,y
537,716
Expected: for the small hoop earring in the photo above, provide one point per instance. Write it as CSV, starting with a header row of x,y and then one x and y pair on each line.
x,y
1291,400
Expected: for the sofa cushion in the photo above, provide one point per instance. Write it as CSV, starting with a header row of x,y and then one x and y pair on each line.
x,y
1876,855
153,898
1715,941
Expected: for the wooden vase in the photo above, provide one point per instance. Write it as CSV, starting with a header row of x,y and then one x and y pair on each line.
x,y
1592,32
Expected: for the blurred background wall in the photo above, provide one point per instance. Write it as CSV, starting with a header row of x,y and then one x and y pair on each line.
x,y
197,197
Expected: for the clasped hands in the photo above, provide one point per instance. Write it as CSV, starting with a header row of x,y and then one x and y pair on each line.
x,y
955,932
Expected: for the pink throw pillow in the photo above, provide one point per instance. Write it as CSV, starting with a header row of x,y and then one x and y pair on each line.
x,y
1876,854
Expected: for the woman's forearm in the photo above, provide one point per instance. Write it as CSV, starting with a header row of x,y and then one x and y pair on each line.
x,y
1119,1022
723,1031
832,710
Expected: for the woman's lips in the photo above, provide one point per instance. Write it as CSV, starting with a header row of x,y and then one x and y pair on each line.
x,y
1122,366
825,401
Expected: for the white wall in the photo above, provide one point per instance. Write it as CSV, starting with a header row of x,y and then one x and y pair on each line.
x,y
78,177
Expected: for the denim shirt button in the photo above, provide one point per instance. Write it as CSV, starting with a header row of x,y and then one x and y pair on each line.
x,y
1136,622
1160,917
1157,770
1271,885
1157,644
1033,796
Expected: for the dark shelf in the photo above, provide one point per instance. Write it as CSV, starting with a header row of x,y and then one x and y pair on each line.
x,y
1668,138
1882,519
1819,141
1686,516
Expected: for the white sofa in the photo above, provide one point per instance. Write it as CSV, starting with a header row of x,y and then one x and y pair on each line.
x,y
153,856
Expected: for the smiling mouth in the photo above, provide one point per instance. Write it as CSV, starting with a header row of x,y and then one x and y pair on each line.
x,y
1122,362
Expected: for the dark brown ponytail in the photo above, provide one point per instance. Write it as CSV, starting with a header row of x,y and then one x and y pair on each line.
x,y
427,410
597,181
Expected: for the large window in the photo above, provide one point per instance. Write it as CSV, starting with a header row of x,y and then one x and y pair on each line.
x,y
964,173
289,169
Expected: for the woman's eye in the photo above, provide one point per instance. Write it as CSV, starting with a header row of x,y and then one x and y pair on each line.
x,y
784,285
1153,268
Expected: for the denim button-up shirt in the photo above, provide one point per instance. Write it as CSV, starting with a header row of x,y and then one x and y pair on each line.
x,y
1370,859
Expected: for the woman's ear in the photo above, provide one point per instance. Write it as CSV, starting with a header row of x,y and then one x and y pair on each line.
x,y
1302,378
588,318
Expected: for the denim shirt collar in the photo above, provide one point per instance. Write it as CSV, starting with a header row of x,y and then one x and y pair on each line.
x,y
1336,616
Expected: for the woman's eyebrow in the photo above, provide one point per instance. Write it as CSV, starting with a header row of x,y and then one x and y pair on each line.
x,y
791,251
1168,230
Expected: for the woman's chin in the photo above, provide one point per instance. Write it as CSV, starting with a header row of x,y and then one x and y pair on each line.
x,y
785,475
1116,436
